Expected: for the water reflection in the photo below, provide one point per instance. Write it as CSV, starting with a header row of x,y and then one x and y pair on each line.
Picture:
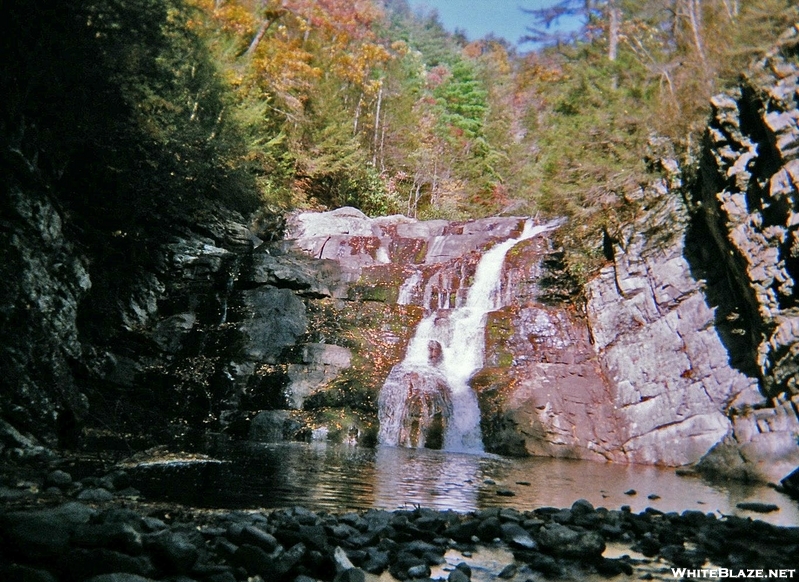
x,y
437,479
341,478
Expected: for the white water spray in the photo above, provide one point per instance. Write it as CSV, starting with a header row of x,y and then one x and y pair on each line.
x,y
460,334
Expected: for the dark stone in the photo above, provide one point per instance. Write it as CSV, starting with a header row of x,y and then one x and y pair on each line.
x,y
254,560
539,562
457,576
489,529
19,573
172,551
404,563
289,559
119,577
465,568
648,545
791,483
115,535
341,531
419,571
58,478
517,536
582,507
95,494
80,564
563,516
42,534
420,547
563,541
464,531
758,507
610,567
631,492
376,561
257,537
351,575
505,493
508,572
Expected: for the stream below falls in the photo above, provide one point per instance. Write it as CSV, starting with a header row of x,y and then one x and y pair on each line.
x,y
340,478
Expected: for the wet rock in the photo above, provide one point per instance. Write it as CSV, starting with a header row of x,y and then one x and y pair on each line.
x,y
341,561
25,574
119,577
791,483
254,560
407,566
582,507
649,545
465,568
81,564
489,529
95,495
610,567
114,535
463,532
508,572
59,479
272,426
173,552
352,575
257,537
458,576
517,536
539,562
563,541
376,561
45,533
758,507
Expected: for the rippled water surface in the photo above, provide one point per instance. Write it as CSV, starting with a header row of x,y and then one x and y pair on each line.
x,y
339,478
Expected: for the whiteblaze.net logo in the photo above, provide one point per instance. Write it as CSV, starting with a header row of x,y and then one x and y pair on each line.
x,y
731,574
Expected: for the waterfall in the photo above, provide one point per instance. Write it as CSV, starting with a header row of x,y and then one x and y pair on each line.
x,y
426,399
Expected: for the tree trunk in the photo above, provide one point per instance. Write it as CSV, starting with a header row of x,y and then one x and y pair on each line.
x,y
614,17
377,124
271,17
694,14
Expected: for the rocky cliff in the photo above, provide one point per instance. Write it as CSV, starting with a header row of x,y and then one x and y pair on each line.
x,y
747,196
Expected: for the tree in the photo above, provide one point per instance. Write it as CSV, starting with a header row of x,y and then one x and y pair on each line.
x,y
603,16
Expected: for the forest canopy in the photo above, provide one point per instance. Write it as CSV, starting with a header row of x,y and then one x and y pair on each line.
x,y
152,105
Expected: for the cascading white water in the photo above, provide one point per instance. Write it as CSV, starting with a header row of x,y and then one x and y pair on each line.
x,y
408,288
448,347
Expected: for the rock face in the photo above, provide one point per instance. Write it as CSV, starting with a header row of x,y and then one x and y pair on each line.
x,y
45,279
691,338
748,197
643,378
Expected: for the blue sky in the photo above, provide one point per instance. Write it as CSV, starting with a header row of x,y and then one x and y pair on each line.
x,y
479,17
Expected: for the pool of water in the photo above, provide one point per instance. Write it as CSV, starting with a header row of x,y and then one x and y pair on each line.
x,y
339,478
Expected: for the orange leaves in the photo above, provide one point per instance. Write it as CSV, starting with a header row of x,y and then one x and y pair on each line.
x,y
352,18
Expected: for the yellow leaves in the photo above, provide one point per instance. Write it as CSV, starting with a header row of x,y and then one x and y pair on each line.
x,y
400,47
356,66
284,67
235,19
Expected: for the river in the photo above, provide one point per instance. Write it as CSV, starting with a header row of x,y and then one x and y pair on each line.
x,y
340,478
